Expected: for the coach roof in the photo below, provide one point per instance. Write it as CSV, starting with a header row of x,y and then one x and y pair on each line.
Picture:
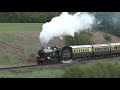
x,y
100,45
81,46
114,43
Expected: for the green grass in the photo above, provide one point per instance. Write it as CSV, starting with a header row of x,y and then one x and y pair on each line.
x,y
9,41
51,73
16,27
100,69
6,60
9,38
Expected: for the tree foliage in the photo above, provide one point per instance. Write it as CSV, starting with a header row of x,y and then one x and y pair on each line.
x,y
110,21
27,17
81,38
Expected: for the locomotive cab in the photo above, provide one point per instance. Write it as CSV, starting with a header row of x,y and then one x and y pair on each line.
x,y
66,53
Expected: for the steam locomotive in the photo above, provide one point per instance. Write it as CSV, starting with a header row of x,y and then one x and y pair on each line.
x,y
51,54
78,52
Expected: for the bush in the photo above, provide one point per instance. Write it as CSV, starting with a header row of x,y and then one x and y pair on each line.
x,y
107,37
82,38
32,55
98,70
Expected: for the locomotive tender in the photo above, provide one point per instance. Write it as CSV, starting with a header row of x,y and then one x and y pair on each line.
x,y
78,52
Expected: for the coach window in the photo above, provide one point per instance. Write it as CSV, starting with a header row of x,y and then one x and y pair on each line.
x,y
96,49
77,50
112,48
115,47
74,50
88,50
104,49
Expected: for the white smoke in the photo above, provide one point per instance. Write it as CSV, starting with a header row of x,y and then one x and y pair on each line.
x,y
66,24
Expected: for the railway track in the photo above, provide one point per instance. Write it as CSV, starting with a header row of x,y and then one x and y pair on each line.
x,y
18,67
54,65
48,66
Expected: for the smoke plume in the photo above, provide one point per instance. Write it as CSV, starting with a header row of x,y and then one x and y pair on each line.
x,y
66,24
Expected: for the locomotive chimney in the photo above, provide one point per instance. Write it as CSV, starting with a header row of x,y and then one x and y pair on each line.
x,y
42,48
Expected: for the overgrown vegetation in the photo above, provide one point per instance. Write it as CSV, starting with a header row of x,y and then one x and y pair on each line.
x,y
17,47
82,38
6,60
107,37
99,69
32,73
9,38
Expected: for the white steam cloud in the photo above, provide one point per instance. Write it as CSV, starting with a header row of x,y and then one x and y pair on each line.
x,y
66,24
